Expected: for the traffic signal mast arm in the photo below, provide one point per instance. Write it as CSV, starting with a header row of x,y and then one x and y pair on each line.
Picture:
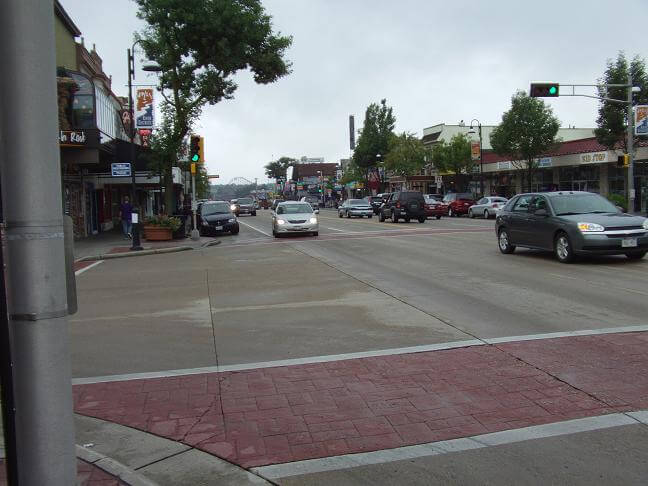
x,y
536,89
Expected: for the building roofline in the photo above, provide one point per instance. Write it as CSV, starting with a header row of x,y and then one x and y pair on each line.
x,y
65,18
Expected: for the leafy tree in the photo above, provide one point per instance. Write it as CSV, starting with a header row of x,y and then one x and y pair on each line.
x,y
200,45
453,156
527,131
612,121
352,173
407,155
374,137
277,168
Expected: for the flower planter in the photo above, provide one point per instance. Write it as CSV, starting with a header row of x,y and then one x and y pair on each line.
x,y
157,233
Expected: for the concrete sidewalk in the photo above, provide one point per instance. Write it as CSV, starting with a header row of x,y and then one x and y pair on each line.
x,y
273,415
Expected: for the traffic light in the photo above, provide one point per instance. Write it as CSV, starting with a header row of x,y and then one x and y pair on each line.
x,y
544,90
623,161
197,149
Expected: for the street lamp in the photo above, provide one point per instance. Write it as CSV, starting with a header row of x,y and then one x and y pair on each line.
x,y
481,155
321,188
381,174
150,67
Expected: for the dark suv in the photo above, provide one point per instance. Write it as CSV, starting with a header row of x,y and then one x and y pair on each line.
x,y
404,205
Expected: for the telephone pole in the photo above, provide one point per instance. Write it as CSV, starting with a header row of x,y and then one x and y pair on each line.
x,y
33,248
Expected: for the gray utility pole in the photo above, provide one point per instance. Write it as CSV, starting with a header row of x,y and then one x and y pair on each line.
x,y
35,259
195,234
630,143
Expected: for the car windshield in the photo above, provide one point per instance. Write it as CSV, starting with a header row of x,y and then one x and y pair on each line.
x,y
245,200
214,208
581,204
357,202
294,208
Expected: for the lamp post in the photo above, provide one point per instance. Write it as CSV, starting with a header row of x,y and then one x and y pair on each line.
x,y
481,155
321,188
151,67
381,175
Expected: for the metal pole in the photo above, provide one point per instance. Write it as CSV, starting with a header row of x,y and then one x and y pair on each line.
x,y
35,259
195,234
135,222
631,187
481,163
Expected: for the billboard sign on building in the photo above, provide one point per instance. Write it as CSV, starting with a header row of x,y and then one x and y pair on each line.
x,y
641,120
351,132
475,151
144,108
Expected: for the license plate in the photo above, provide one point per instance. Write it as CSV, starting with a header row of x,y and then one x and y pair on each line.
x,y
217,228
628,242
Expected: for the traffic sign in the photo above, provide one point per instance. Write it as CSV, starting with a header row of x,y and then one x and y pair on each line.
x,y
213,176
120,169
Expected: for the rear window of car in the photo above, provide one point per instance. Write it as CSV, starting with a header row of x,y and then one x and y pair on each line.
x,y
357,202
407,196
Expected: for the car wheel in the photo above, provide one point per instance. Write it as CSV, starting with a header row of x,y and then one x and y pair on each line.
x,y
470,214
235,231
370,216
381,217
563,248
340,214
451,212
636,256
504,242
422,220
253,213
438,217
486,214
348,215
315,233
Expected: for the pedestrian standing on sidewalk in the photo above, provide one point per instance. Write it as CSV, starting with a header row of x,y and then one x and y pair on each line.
x,y
126,214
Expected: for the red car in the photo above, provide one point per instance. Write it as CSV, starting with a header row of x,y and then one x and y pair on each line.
x,y
458,203
434,206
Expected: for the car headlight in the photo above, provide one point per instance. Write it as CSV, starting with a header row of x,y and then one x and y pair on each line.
x,y
590,227
645,224
281,221
233,207
231,220
313,220
205,223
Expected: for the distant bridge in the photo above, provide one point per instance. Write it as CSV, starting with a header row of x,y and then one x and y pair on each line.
x,y
240,181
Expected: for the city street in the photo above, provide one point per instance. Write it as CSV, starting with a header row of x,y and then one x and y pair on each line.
x,y
360,286
294,311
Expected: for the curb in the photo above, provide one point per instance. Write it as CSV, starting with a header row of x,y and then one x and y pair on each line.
x,y
113,467
110,256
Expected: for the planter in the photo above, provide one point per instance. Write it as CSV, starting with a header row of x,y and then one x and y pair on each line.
x,y
157,233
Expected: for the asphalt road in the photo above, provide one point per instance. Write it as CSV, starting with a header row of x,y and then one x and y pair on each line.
x,y
361,285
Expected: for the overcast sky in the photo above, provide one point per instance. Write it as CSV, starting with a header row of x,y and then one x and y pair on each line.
x,y
434,62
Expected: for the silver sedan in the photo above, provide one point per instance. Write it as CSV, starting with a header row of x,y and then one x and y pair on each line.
x,y
294,217
355,207
487,207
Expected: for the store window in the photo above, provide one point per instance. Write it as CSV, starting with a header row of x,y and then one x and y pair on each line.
x,y
616,180
82,102
542,181
580,178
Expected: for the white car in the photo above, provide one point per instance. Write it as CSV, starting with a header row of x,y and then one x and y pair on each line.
x,y
355,207
294,217
487,207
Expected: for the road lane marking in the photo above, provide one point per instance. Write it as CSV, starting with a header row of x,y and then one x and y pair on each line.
x,y
348,461
92,265
334,229
362,354
255,229
594,284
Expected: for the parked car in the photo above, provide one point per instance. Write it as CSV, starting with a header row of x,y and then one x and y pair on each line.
x,y
295,217
378,200
312,200
275,202
243,205
434,206
216,217
458,203
569,224
355,207
487,207
405,205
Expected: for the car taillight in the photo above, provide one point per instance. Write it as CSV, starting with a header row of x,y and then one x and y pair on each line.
x,y
398,204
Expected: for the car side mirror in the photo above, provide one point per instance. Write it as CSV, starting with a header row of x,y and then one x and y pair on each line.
x,y
317,211
541,212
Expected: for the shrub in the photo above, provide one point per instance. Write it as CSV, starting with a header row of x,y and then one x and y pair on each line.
x,y
165,221
618,200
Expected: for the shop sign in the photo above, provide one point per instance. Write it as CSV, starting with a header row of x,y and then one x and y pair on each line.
x,y
120,169
73,138
504,165
594,158
641,120
300,187
475,151
144,108
544,162
145,136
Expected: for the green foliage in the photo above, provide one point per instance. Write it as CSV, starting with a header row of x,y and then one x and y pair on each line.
x,y
352,173
277,168
527,131
164,221
612,121
200,46
453,156
618,200
407,155
377,130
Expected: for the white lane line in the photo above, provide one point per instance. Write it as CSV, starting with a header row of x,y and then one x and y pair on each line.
x,y
348,461
362,354
333,229
255,229
81,270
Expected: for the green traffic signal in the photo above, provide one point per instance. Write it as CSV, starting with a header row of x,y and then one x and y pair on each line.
x,y
552,90
195,158
544,90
